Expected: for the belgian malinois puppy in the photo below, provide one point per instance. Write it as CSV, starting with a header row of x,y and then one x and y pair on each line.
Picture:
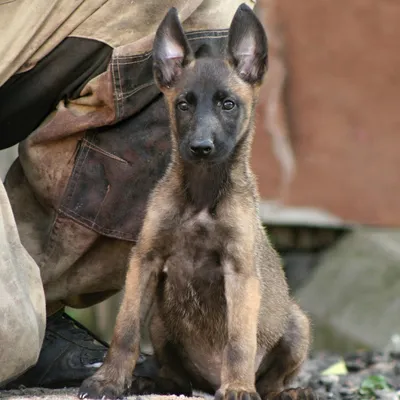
x,y
224,321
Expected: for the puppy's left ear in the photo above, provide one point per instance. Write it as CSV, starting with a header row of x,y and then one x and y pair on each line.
x,y
171,51
247,46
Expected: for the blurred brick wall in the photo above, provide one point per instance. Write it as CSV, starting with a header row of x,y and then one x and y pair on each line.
x,y
341,102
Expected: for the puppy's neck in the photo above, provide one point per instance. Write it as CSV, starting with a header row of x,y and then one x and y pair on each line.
x,y
205,184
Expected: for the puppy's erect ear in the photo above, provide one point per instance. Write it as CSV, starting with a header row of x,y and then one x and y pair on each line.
x,y
171,50
247,45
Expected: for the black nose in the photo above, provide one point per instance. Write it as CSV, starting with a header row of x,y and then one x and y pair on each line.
x,y
202,148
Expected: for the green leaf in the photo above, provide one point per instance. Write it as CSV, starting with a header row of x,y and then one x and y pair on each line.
x,y
375,382
371,384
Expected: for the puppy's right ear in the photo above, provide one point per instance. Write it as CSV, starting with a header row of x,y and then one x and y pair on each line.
x,y
171,51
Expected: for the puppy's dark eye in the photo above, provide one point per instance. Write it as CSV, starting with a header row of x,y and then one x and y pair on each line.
x,y
228,105
183,106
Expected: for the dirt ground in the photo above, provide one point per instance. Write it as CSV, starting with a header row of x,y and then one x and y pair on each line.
x,y
362,375
71,394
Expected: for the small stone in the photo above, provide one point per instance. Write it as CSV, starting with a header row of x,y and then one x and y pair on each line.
x,y
329,381
356,362
321,394
355,365
396,369
393,347
374,357
314,383
395,355
348,393
386,394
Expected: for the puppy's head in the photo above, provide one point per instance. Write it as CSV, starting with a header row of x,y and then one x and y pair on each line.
x,y
211,100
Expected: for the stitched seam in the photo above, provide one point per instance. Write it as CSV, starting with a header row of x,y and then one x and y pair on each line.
x,y
102,230
210,37
147,55
137,89
101,205
117,87
92,223
68,212
143,57
104,152
76,173
51,243
121,91
72,183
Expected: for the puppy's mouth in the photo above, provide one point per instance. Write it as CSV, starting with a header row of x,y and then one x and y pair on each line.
x,y
214,159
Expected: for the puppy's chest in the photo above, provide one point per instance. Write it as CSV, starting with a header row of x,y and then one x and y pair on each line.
x,y
192,293
195,251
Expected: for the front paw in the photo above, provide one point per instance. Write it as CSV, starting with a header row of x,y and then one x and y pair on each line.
x,y
295,394
236,394
100,388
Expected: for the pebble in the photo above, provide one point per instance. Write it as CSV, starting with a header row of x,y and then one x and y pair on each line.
x,y
375,357
395,355
329,381
346,391
355,365
386,395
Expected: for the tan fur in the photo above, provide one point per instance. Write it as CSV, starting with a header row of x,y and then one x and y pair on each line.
x,y
223,318
253,278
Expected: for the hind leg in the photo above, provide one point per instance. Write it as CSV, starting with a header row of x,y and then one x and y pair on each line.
x,y
170,377
283,363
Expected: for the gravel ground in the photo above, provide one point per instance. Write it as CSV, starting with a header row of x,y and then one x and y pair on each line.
x,y
363,375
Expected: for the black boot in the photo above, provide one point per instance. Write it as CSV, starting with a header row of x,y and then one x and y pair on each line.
x,y
70,353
